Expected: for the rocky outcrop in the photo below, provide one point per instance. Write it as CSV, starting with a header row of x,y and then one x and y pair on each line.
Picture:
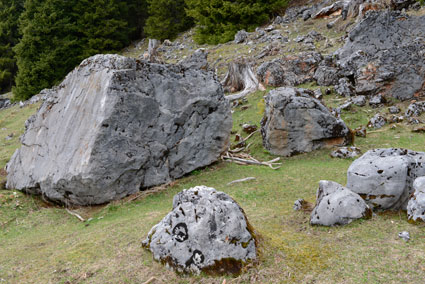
x,y
346,152
382,58
291,70
384,177
206,231
116,125
295,122
197,60
416,205
337,205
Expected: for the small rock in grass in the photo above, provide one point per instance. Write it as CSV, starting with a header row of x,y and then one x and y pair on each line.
x,y
404,235
346,152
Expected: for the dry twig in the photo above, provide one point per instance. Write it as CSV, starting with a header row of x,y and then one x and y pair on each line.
x,y
75,215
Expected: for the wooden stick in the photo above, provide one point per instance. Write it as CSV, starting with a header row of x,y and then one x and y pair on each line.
x,y
75,215
241,180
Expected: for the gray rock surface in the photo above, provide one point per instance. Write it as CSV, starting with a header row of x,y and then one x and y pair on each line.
x,y
116,125
384,177
290,70
295,122
389,61
359,101
197,60
394,109
415,109
377,121
416,204
344,88
346,152
326,75
377,100
241,36
337,205
206,231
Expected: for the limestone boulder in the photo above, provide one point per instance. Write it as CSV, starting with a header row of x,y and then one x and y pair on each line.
x,y
206,231
384,177
117,125
337,205
415,109
389,63
295,122
416,205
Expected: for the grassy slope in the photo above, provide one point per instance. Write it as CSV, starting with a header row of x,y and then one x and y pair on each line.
x,y
46,245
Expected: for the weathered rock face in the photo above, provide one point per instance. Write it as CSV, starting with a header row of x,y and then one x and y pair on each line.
x,y
294,122
389,63
346,153
197,60
206,231
289,71
384,177
337,205
415,109
377,121
116,125
416,205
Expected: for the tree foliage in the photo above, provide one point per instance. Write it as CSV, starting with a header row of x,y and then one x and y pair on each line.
x,y
10,10
166,19
218,20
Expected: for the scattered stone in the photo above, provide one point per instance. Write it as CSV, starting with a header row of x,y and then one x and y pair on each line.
x,y
413,120
9,137
290,70
134,125
416,205
241,36
377,121
269,28
318,94
404,235
337,205
207,231
249,128
344,88
377,100
384,177
415,109
333,9
346,152
4,103
197,60
395,119
167,42
301,204
295,122
360,131
394,109
359,101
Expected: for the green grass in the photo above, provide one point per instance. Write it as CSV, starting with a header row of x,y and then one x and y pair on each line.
x,y
44,244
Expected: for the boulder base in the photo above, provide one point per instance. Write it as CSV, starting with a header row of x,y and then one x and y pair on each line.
x,y
116,125
416,205
206,231
295,122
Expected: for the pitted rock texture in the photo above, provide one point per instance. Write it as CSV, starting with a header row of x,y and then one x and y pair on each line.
x,y
291,70
206,231
337,205
416,205
116,125
295,122
377,121
415,109
387,57
384,177
346,152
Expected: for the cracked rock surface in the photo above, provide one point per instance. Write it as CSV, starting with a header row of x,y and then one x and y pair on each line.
x,y
116,125
337,205
384,177
416,205
206,231
295,122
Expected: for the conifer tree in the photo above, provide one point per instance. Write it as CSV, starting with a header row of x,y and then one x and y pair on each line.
x,y
218,20
166,19
10,11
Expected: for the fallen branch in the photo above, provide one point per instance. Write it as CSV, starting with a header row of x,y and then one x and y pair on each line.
x,y
238,150
245,159
150,280
75,215
241,180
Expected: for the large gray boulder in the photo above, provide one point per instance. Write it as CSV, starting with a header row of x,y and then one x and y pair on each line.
x,y
295,122
390,58
290,70
416,205
384,177
116,125
206,231
337,205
